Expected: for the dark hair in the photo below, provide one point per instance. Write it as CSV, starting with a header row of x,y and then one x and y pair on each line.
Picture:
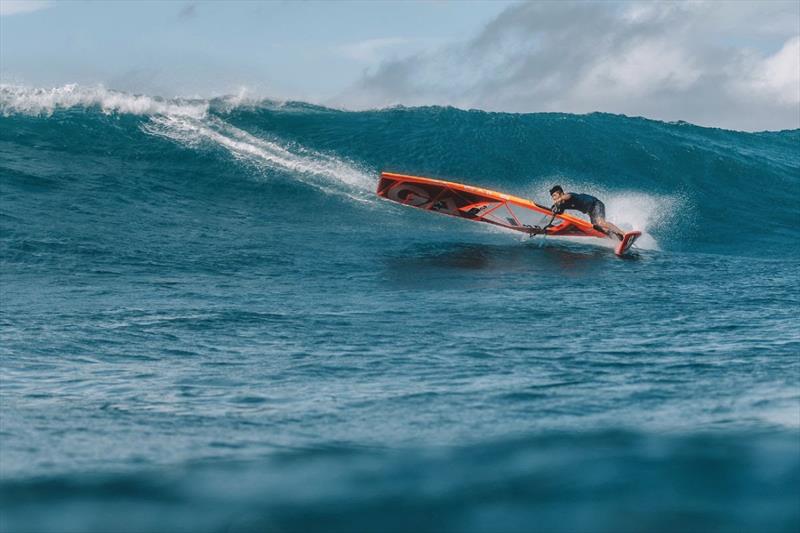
x,y
556,188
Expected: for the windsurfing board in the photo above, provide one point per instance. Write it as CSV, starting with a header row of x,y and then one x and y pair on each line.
x,y
481,205
484,205
627,241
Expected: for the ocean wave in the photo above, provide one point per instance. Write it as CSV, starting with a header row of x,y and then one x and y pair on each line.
x,y
686,187
593,481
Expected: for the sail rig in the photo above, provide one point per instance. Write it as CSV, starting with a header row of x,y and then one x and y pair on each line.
x,y
481,205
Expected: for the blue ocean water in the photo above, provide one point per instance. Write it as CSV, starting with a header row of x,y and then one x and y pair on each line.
x,y
211,323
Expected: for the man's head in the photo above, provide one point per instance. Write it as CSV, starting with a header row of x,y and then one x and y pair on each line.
x,y
556,192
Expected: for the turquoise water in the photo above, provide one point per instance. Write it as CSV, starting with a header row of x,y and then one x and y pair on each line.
x,y
211,323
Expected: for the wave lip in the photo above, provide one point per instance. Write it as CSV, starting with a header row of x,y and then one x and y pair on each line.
x,y
16,99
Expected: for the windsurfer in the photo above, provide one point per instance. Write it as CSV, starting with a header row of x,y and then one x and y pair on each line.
x,y
585,203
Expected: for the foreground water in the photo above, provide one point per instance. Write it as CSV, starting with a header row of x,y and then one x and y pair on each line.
x,y
210,323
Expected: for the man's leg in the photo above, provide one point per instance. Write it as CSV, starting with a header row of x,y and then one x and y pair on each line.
x,y
598,216
610,228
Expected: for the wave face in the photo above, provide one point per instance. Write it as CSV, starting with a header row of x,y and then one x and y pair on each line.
x,y
206,296
691,188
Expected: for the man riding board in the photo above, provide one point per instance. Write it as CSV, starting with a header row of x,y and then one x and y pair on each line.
x,y
585,203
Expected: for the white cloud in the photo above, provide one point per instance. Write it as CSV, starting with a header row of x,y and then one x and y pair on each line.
x,y
774,78
16,7
729,64
644,67
371,50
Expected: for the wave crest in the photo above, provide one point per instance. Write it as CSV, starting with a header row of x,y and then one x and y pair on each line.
x,y
16,99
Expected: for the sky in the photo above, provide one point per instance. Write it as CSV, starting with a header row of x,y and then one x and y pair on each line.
x,y
733,64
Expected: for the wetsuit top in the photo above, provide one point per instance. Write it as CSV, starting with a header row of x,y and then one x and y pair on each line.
x,y
579,202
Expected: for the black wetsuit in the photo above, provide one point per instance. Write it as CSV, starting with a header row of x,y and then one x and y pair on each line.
x,y
585,203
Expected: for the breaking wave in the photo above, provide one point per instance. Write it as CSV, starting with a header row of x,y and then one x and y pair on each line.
x,y
687,187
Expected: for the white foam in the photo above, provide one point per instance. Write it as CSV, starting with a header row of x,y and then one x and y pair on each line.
x,y
643,212
245,99
24,100
311,167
